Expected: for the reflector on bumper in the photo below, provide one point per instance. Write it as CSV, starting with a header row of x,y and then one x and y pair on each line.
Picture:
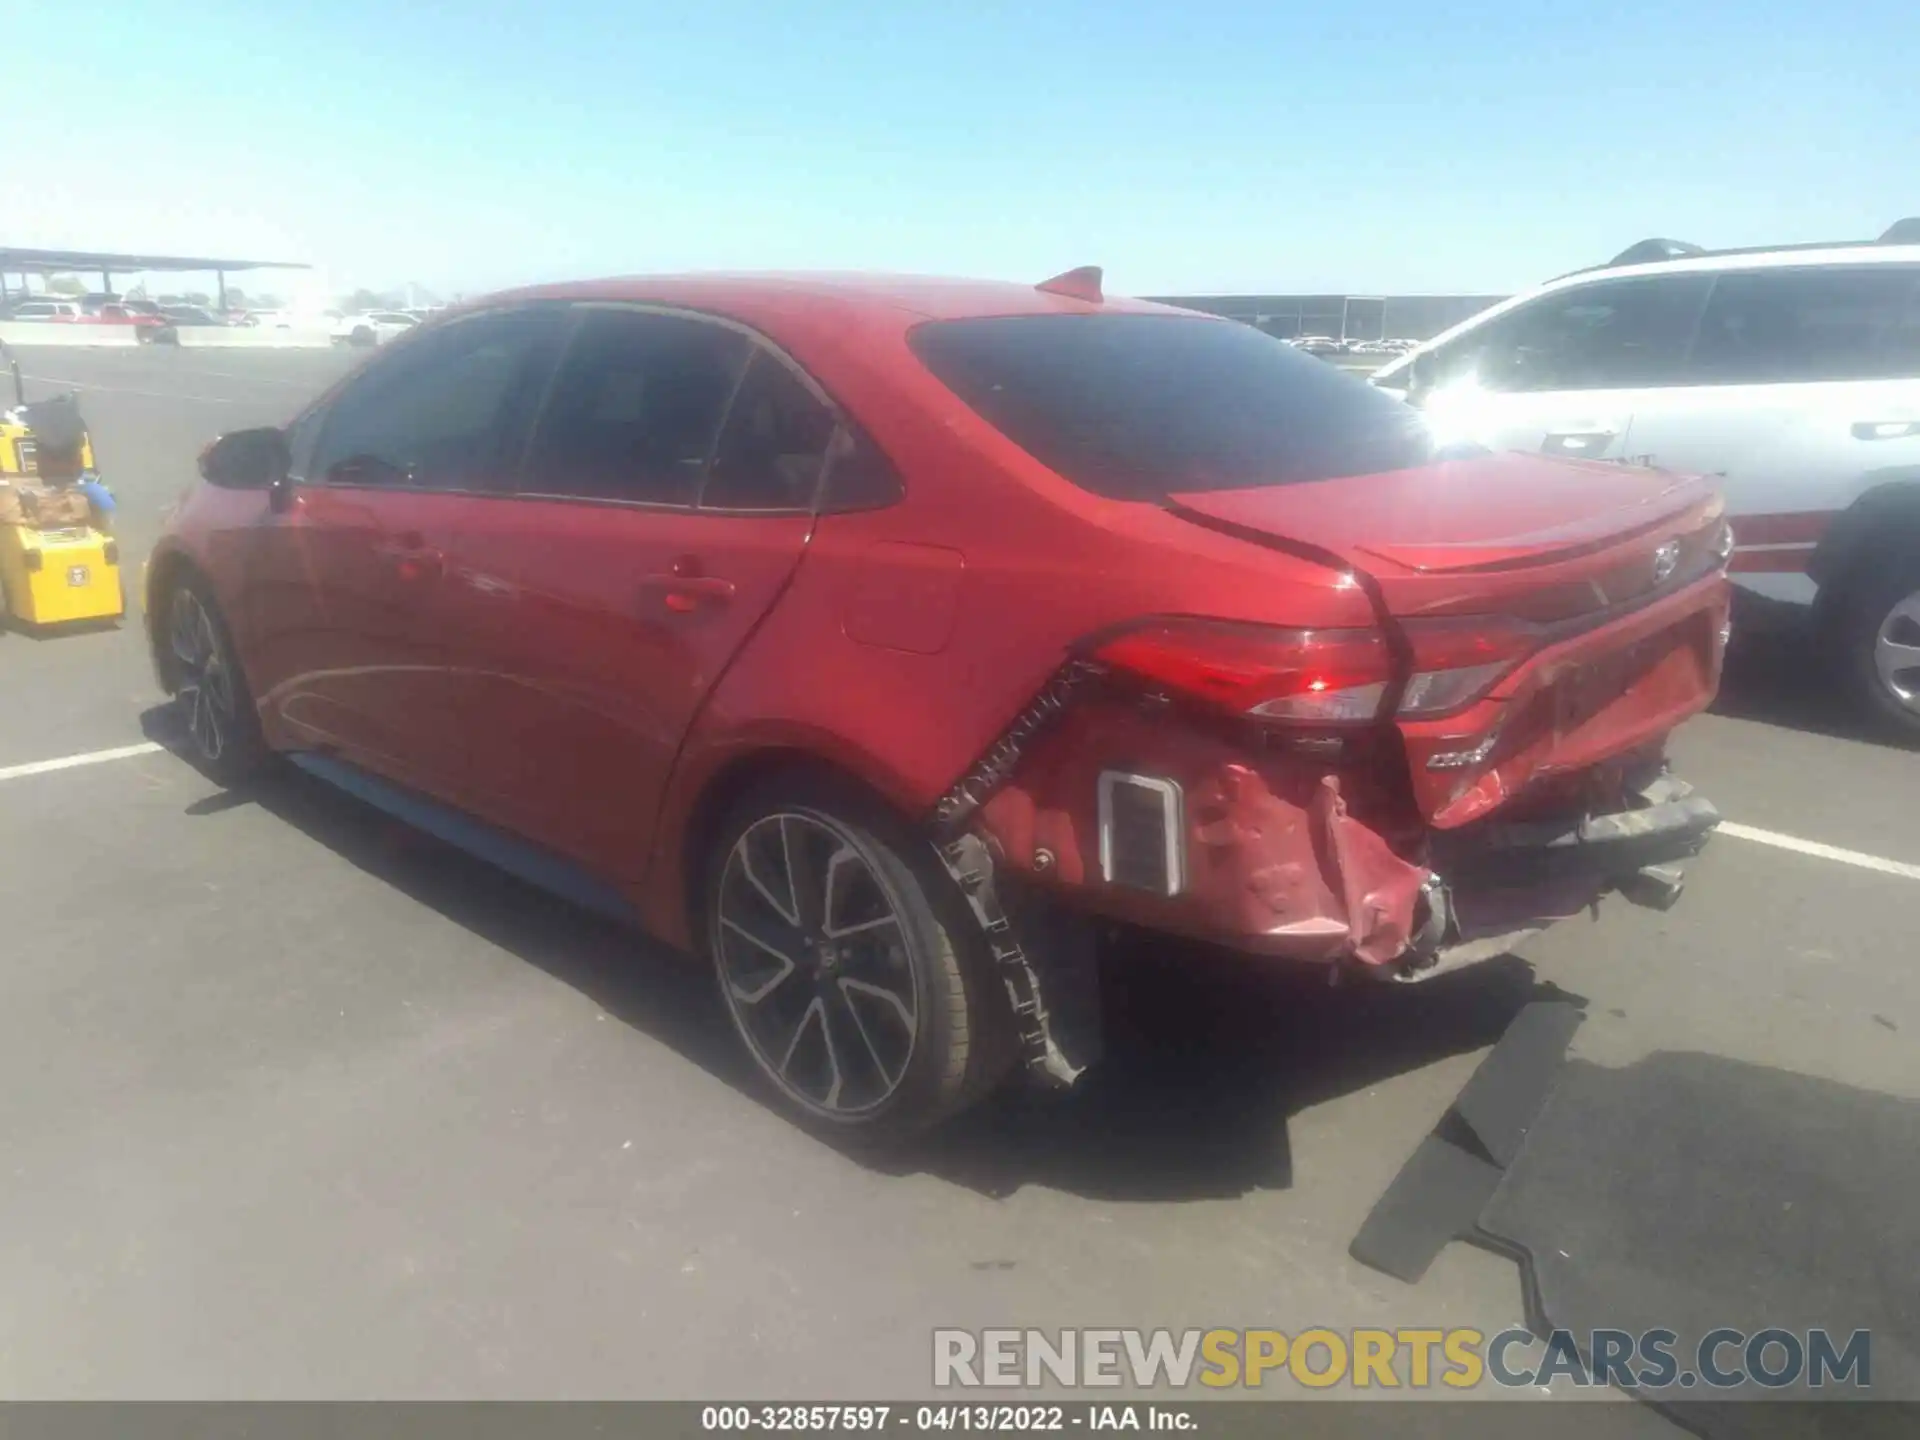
x,y
1142,833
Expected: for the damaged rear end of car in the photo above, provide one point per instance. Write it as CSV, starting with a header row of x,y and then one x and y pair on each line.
x,y
1416,711
1398,798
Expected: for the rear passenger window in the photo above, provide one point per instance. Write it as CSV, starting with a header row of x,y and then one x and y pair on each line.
x,y
773,445
1612,334
859,476
636,408
1829,323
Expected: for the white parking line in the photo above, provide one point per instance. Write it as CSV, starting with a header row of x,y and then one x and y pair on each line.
x,y
254,379
1858,859
1819,851
74,762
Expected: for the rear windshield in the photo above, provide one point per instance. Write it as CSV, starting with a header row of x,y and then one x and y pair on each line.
x,y
1139,407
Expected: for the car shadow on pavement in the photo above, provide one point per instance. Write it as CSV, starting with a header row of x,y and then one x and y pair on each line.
x,y
1208,1054
1777,673
13,625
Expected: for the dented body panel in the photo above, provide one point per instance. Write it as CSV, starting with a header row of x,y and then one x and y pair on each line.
x,y
1276,861
1574,706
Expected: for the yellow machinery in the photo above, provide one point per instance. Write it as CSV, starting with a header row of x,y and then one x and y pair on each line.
x,y
58,564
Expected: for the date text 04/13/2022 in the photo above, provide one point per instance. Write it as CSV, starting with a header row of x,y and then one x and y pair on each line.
x,y
987,1419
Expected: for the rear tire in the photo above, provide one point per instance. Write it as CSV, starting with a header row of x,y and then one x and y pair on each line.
x,y
222,727
1880,639
849,963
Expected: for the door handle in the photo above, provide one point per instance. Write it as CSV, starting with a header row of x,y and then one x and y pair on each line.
x,y
682,593
1886,429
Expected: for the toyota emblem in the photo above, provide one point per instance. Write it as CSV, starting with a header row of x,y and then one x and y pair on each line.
x,y
1666,560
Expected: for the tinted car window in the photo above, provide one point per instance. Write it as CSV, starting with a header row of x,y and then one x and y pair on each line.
x,y
301,436
859,475
1612,333
1827,323
1903,337
1137,407
635,408
773,445
445,410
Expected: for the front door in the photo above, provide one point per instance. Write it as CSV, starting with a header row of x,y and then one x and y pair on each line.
x,y
667,498
363,641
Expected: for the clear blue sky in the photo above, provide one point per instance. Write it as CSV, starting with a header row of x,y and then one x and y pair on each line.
x,y
1367,146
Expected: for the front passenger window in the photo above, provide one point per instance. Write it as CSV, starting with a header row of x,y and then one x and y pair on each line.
x,y
1610,334
446,412
302,435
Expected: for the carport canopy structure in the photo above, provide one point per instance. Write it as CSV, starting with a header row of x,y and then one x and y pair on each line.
x,y
48,262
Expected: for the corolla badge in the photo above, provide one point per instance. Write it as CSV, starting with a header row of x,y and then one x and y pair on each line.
x,y
1666,560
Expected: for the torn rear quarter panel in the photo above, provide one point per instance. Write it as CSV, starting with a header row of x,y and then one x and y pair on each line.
x,y
1276,860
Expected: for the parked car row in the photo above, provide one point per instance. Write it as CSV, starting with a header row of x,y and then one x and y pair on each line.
x,y
368,327
1328,346
83,311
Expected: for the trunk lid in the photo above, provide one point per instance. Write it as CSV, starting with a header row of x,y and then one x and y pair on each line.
x,y
1626,638
1481,529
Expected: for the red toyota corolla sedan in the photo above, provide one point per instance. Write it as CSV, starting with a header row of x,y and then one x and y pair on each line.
x,y
873,636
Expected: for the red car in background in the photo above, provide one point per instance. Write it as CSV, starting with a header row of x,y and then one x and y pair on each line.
x,y
143,316
869,636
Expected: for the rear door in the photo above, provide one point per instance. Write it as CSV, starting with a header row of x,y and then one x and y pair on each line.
x,y
1802,392
365,635
667,497
1562,374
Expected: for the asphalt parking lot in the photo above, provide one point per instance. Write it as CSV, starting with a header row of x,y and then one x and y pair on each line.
x,y
296,1103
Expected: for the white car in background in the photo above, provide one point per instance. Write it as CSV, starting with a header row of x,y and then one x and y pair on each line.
x,y
41,310
372,327
1790,372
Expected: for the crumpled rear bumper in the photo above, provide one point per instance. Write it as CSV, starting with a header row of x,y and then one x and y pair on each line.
x,y
1493,884
1286,855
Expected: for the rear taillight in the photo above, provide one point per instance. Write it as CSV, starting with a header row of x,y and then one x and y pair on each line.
x,y
1456,661
1328,675
1318,677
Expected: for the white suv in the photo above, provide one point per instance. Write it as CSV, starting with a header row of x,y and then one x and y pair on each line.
x,y
43,310
1792,373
